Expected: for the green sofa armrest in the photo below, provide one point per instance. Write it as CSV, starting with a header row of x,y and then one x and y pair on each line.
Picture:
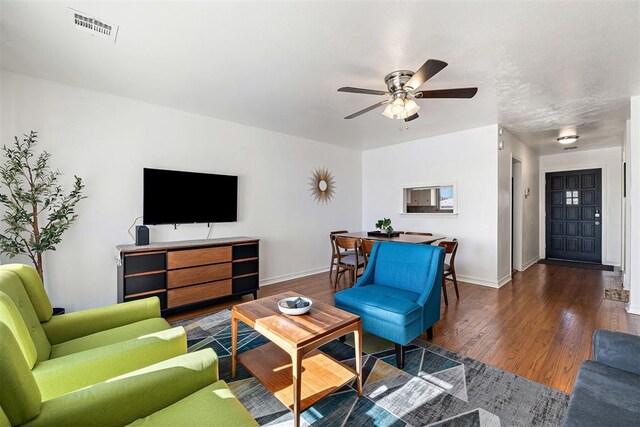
x,y
82,323
68,373
122,400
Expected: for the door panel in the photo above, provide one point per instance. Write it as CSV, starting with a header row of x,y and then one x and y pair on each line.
x,y
574,215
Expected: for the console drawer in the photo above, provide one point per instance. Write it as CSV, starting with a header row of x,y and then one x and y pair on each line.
x,y
144,283
135,263
246,284
245,251
197,293
194,257
195,275
240,268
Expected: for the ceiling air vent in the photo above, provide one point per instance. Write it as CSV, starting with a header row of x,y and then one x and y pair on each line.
x,y
570,148
92,25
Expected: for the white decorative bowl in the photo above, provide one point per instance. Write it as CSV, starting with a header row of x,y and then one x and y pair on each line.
x,y
295,311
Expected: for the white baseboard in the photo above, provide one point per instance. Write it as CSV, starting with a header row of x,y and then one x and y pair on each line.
x,y
530,262
633,309
297,275
477,281
506,279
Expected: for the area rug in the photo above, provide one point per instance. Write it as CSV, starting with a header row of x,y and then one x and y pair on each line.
x,y
576,264
437,387
615,294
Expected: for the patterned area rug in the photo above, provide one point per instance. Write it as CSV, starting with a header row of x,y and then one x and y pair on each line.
x,y
436,388
615,294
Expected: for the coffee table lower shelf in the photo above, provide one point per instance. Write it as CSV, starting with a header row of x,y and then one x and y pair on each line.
x,y
321,374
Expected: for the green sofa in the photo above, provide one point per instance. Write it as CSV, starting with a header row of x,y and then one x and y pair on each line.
x,y
108,366
184,390
62,366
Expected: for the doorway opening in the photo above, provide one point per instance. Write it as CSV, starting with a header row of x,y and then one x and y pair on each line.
x,y
517,196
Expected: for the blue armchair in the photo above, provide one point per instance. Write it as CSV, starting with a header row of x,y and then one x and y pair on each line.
x,y
398,295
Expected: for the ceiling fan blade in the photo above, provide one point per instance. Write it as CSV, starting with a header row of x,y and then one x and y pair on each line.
x,y
428,70
413,117
363,91
366,110
467,92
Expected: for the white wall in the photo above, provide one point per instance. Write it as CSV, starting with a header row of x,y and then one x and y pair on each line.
x,y
633,198
514,148
610,160
107,140
468,158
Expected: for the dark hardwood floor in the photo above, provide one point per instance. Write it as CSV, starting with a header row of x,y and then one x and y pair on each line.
x,y
538,326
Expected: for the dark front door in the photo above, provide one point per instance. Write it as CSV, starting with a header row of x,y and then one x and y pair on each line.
x,y
574,215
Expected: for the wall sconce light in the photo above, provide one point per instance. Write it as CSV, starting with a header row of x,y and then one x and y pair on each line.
x,y
527,192
500,141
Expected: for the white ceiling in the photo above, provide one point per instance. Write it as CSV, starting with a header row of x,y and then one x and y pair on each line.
x,y
539,66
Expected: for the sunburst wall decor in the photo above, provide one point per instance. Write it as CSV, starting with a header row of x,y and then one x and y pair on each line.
x,y
322,185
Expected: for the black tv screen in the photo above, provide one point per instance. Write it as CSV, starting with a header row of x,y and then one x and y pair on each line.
x,y
177,197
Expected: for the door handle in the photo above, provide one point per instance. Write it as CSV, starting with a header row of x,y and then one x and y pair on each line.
x,y
597,222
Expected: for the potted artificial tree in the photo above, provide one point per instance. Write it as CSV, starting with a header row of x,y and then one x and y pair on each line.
x,y
36,209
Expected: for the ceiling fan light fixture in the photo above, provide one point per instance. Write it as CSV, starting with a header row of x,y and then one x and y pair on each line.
x,y
401,108
569,139
411,107
387,112
397,107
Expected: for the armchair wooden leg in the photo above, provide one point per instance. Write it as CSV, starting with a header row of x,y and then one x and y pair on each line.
x,y
430,332
400,356
335,281
444,291
455,284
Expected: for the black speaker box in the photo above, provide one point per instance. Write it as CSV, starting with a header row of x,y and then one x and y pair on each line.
x,y
142,235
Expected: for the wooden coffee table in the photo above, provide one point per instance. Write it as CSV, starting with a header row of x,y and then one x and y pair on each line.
x,y
291,366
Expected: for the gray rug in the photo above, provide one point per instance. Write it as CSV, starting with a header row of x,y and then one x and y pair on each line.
x,y
437,387
576,264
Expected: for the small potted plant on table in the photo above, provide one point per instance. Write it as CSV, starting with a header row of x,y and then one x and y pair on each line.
x,y
384,225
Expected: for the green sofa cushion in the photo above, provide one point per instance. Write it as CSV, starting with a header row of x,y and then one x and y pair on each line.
x,y
34,287
11,285
20,397
65,374
81,323
110,336
213,405
124,399
10,316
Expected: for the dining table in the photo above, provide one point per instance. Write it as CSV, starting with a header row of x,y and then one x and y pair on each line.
x,y
403,238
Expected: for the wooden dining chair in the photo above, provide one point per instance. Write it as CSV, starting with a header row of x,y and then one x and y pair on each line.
x,y
334,254
367,247
350,262
449,269
418,233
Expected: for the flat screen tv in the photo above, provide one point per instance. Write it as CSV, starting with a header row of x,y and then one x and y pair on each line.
x,y
177,197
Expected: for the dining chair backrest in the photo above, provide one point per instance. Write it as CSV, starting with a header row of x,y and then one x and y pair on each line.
x,y
347,243
418,233
450,248
332,238
367,247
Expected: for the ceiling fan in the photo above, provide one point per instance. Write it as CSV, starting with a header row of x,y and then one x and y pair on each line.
x,y
402,88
